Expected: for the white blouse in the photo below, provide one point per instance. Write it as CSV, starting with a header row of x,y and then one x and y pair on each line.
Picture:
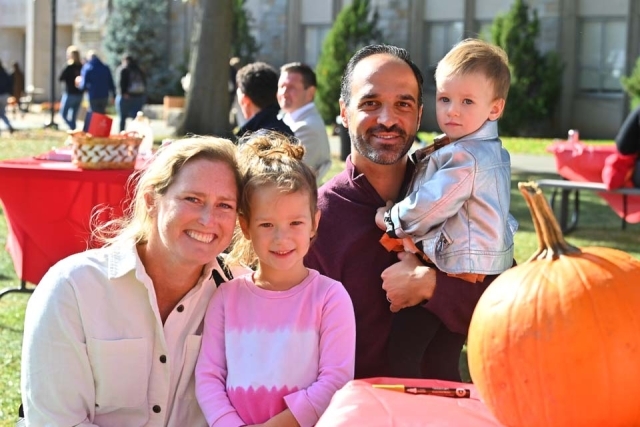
x,y
95,351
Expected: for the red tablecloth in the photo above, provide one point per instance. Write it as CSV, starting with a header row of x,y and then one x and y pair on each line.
x,y
359,404
48,206
584,162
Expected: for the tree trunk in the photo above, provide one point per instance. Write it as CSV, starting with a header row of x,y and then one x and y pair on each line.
x,y
207,100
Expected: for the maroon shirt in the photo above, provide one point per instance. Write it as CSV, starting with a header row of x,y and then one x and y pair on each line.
x,y
347,249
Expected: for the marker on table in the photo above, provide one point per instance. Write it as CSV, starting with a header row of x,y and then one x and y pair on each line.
x,y
433,391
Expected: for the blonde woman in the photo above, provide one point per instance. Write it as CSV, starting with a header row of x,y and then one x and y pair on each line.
x,y
112,335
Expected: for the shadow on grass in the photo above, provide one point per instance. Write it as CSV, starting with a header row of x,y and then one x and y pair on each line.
x,y
598,224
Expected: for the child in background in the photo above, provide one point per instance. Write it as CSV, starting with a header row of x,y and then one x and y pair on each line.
x,y
279,342
457,210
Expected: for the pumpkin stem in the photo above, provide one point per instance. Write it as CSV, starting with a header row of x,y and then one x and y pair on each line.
x,y
536,222
551,241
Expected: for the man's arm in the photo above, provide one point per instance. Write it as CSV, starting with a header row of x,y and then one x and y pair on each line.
x,y
409,282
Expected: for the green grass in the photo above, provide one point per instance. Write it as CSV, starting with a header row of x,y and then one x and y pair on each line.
x,y
517,145
599,226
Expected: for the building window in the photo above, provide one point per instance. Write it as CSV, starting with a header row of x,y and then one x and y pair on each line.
x,y
314,36
602,57
439,39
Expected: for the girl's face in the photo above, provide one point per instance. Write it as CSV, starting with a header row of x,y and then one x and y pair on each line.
x,y
193,221
280,229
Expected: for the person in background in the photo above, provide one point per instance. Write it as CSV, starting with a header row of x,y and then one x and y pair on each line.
x,y
112,335
628,146
18,82
257,96
456,214
132,87
96,79
6,88
71,96
236,119
296,90
278,342
381,106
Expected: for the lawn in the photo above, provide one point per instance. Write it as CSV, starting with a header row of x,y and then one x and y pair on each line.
x,y
599,226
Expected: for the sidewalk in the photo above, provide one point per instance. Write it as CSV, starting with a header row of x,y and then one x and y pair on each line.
x,y
37,120
34,120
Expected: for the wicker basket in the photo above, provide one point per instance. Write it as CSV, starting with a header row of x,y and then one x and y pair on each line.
x,y
112,152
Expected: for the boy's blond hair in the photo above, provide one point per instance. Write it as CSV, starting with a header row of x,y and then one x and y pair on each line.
x,y
477,56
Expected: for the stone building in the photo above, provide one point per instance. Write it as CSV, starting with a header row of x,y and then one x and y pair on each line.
x,y
598,41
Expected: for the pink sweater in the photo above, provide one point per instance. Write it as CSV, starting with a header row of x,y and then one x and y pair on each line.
x,y
265,351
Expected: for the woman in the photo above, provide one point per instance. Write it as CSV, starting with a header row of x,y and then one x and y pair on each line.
x,y
72,96
112,335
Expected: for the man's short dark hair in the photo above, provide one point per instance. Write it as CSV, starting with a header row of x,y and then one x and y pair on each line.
x,y
398,52
307,73
259,81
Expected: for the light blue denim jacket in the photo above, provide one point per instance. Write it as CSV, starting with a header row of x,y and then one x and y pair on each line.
x,y
458,205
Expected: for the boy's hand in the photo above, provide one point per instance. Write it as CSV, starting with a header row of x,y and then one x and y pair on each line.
x,y
380,216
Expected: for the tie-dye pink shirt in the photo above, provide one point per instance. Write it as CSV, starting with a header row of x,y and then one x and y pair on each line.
x,y
265,351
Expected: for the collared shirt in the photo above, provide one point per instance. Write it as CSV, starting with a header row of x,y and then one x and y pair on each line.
x,y
95,350
290,118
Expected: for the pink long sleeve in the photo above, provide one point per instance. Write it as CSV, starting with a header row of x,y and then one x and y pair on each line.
x,y
265,351
211,369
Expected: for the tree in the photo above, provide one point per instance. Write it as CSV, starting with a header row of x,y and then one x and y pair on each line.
x,y
536,79
207,102
244,45
631,85
134,27
355,27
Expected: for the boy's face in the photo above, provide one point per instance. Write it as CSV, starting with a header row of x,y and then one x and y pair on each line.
x,y
464,103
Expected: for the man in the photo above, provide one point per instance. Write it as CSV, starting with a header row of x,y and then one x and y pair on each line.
x,y
96,79
381,106
296,89
257,90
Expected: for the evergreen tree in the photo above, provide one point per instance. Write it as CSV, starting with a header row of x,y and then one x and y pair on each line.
x,y
535,78
244,44
631,85
138,27
355,27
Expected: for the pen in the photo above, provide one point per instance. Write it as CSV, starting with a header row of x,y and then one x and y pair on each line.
x,y
433,391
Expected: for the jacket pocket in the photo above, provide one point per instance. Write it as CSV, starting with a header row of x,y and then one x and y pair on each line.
x,y
120,371
443,242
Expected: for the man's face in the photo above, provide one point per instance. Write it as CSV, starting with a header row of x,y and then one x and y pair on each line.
x,y
383,113
292,93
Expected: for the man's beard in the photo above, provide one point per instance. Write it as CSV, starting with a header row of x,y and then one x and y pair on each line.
x,y
387,155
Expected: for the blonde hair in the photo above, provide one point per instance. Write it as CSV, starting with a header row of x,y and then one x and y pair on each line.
x,y
73,55
269,158
477,56
156,179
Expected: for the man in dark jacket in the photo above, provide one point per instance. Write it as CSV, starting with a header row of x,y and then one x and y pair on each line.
x,y
97,80
257,90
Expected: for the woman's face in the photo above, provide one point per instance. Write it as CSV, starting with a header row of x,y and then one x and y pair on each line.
x,y
193,221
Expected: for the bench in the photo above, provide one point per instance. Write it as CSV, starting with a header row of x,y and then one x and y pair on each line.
x,y
569,220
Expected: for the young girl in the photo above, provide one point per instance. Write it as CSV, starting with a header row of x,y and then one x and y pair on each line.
x,y
278,342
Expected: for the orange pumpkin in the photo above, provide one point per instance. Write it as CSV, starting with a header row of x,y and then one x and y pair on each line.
x,y
555,341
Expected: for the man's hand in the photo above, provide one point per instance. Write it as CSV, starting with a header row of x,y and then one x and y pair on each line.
x,y
408,282
380,215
